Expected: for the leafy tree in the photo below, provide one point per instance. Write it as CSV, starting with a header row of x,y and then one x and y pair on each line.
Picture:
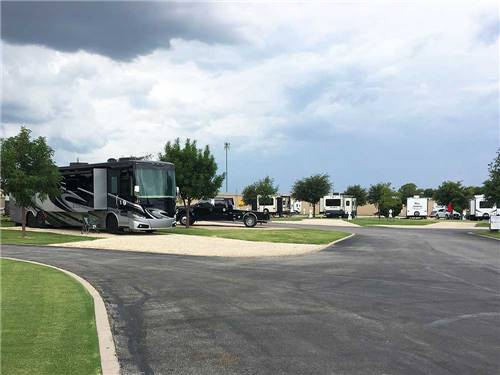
x,y
408,190
28,171
312,189
428,193
195,171
359,193
452,192
265,188
377,192
491,186
470,191
390,200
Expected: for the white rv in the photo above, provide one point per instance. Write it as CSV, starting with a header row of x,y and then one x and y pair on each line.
x,y
480,209
338,205
277,205
417,207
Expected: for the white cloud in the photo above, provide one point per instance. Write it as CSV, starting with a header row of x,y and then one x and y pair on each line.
x,y
337,68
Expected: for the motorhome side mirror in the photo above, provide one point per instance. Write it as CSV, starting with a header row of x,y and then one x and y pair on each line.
x,y
136,189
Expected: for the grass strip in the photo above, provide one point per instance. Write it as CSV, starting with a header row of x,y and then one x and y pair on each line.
x,y
495,234
298,236
14,237
48,324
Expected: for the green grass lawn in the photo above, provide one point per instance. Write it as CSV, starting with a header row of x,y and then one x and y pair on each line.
x,y
367,221
48,324
5,221
301,236
490,234
483,224
14,237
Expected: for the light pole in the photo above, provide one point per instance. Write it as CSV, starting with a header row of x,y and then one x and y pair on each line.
x,y
226,148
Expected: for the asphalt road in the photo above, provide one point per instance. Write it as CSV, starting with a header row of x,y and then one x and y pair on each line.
x,y
387,301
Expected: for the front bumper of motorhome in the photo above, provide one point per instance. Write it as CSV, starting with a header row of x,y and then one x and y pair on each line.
x,y
145,224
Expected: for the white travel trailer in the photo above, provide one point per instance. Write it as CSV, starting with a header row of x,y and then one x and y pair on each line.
x,y
296,207
338,205
278,205
480,209
417,207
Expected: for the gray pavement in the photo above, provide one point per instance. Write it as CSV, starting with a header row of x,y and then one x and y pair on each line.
x,y
387,301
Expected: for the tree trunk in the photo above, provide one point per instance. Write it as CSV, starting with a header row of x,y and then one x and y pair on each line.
x,y
23,220
314,210
188,213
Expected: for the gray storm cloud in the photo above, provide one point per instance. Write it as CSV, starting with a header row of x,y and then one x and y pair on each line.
x,y
119,30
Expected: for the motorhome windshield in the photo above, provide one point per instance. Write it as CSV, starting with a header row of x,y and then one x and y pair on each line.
x,y
155,182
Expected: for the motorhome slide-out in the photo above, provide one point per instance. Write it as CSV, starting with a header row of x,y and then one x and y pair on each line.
x,y
338,205
480,208
123,194
416,207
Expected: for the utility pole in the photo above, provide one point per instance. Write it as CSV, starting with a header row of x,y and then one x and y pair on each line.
x,y
226,148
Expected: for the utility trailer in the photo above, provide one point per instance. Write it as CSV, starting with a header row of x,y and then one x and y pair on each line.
x,y
480,208
416,207
220,209
338,205
123,194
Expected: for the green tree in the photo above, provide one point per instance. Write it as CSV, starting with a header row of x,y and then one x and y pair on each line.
x,y
408,190
428,193
265,188
390,201
195,171
28,171
491,186
377,193
312,189
452,192
359,193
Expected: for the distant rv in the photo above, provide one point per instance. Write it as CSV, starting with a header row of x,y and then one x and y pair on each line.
x,y
123,194
416,207
277,205
338,205
480,208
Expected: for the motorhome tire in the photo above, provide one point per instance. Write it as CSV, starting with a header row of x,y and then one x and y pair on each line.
x,y
250,220
266,211
30,220
112,223
417,214
40,219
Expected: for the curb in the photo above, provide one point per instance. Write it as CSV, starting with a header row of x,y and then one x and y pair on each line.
x,y
107,351
484,236
339,240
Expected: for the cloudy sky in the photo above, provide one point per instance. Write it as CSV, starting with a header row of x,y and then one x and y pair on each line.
x,y
364,91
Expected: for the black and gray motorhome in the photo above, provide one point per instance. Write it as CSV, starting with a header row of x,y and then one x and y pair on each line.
x,y
128,194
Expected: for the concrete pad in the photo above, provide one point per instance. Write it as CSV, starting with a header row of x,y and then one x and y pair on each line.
x,y
196,245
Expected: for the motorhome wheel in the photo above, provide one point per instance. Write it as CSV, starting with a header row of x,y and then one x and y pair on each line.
x,y
112,223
